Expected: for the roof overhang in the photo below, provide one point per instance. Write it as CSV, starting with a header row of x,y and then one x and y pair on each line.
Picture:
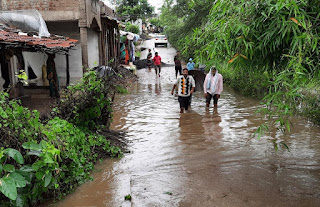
x,y
53,44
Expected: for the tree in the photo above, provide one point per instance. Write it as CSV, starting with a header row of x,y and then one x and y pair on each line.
x,y
181,17
155,22
132,28
134,9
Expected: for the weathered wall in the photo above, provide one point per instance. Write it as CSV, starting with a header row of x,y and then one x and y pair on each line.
x,y
68,29
93,48
41,5
51,10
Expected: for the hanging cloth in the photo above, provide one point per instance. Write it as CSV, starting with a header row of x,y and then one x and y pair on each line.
x,y
31,74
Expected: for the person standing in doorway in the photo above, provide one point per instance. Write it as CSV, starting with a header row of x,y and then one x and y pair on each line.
x,y
186,85
177,64
190,64
157,63
213,86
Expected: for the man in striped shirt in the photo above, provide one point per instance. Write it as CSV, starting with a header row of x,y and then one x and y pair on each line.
x,y
186,85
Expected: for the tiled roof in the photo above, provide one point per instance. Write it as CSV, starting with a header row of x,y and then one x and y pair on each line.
x,y
54,43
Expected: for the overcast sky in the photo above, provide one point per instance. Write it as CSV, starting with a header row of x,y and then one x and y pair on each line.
x,y
156,3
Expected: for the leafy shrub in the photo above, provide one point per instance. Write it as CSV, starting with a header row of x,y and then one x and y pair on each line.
x,y
48,158
88,103
132,28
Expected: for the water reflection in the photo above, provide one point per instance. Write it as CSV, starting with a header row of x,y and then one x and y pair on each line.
x,y
157,87
210,123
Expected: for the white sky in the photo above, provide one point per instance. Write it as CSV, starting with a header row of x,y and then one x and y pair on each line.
x,y
156,3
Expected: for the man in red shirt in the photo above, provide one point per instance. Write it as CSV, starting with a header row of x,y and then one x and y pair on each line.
x,y
157,63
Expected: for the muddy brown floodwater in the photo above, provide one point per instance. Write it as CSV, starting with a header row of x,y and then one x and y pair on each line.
x,y
203,157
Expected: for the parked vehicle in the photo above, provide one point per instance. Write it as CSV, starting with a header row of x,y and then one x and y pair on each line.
x,y
160,40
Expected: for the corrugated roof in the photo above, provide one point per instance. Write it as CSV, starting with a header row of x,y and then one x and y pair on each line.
x,y
46,43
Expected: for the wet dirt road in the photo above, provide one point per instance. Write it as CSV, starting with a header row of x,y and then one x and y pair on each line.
x,y
200,158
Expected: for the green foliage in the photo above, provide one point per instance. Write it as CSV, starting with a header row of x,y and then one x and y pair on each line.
x,y
134,9
266,48
132,28
128,197
88,103
22,76
17,123
155,22
51,157
180,18
22,181
121,89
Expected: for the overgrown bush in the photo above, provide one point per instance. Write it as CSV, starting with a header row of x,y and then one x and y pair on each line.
x,y
88,103
49,158
132,28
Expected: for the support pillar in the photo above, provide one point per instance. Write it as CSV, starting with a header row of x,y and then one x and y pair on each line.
x,y
84,48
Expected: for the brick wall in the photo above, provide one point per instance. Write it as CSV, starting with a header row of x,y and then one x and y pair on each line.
x,y
41,5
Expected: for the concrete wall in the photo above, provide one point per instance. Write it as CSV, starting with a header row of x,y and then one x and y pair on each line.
x,y
93,48
68,29
51,10
37,59
41,5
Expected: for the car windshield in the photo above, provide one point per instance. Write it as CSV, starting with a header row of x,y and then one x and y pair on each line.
x,y
161,36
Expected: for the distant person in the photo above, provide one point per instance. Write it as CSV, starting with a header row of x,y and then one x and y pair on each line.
x,y
132,52
149,62
190,64
127,57
186,85
213,86
157,63
177,64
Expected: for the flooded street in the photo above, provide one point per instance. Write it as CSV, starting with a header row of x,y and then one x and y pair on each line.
x,y
204,157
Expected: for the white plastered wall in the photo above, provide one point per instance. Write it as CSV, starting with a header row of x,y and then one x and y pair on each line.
x,y
68,29
75,65
93,48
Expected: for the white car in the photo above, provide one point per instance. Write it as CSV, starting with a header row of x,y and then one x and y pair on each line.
x,y
160,40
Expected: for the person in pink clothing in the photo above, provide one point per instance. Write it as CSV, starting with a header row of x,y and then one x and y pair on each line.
x,y
157,63
213,86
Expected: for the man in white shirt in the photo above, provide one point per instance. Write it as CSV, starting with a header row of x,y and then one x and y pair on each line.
x,y
186,85
213,86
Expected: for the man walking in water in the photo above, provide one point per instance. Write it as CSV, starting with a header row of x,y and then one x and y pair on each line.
x,y
157,63
177,64
186,85
213,86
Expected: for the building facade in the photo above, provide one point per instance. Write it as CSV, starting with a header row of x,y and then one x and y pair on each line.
x,y
96,32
